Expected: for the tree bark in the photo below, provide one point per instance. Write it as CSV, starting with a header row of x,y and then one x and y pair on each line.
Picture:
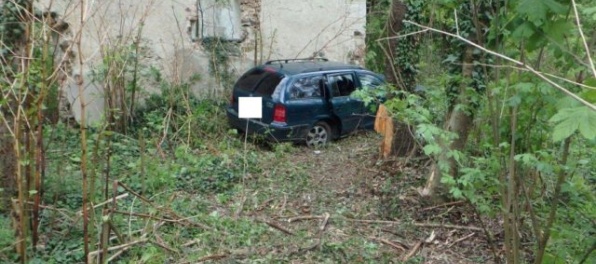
x,y
7,168
393,27
459,122
402,138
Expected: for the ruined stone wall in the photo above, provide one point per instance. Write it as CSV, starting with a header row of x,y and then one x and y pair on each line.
x,y
251,23
333,29
270,29
251,10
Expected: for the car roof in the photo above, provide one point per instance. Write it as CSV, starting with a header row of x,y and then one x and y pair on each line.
x,y
297,66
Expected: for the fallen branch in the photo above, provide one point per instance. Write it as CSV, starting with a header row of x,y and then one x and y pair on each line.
x,y
320,233
305,217
190,243
124,195
310,217
181,221
63,212
433,225
143,198
265,203
461,239
116,255
324,224
123,246
212,257
159,242
371,221
389,243
412,252
442,205
416,247
175,217
147,216
277,226
164,246
395,234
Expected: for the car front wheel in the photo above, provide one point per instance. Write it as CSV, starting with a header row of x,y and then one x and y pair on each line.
x,y
319,135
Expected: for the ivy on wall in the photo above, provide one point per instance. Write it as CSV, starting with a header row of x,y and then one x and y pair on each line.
x,y
392,48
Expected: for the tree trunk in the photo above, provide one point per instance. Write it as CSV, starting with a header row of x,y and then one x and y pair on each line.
x,y
7,168
402,139
459,122
393,27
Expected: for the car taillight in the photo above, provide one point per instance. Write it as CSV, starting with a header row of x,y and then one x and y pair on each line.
x,y
279,113
232,99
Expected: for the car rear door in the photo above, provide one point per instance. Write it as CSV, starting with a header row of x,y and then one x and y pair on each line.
x,y
305,100
347,109
372,84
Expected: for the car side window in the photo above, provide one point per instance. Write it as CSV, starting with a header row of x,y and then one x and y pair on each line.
x,y
341,84
369,80
306,87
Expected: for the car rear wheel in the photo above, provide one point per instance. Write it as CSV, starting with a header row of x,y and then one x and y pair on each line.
x,y
318,135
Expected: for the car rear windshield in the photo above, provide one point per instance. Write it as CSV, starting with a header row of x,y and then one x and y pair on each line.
x,y
259,80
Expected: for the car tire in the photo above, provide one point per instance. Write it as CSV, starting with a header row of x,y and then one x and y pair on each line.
x,y
319,135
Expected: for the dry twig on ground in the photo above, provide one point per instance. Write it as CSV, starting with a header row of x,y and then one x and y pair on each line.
x,y
389,243
434,225
276,226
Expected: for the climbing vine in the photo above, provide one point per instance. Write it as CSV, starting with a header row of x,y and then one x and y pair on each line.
x,y
408,48
392,47
219,62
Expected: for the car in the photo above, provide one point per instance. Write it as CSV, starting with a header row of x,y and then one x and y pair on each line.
x,y
305,100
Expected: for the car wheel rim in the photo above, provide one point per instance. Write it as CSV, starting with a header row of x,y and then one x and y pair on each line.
x,y
317,136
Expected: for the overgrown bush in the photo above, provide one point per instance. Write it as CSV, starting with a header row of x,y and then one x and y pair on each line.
x,y
178,116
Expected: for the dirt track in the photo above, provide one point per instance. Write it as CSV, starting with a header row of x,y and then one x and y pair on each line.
x,y
376,200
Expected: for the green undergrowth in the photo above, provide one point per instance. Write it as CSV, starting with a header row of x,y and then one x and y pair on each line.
x,y
181,188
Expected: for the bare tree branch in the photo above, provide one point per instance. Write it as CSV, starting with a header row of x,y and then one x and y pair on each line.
x,y
518,63
581,33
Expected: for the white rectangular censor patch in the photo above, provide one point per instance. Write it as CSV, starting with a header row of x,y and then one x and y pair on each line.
x,y
250,107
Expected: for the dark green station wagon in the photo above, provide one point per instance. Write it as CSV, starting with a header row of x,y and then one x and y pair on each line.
x,y
305,100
